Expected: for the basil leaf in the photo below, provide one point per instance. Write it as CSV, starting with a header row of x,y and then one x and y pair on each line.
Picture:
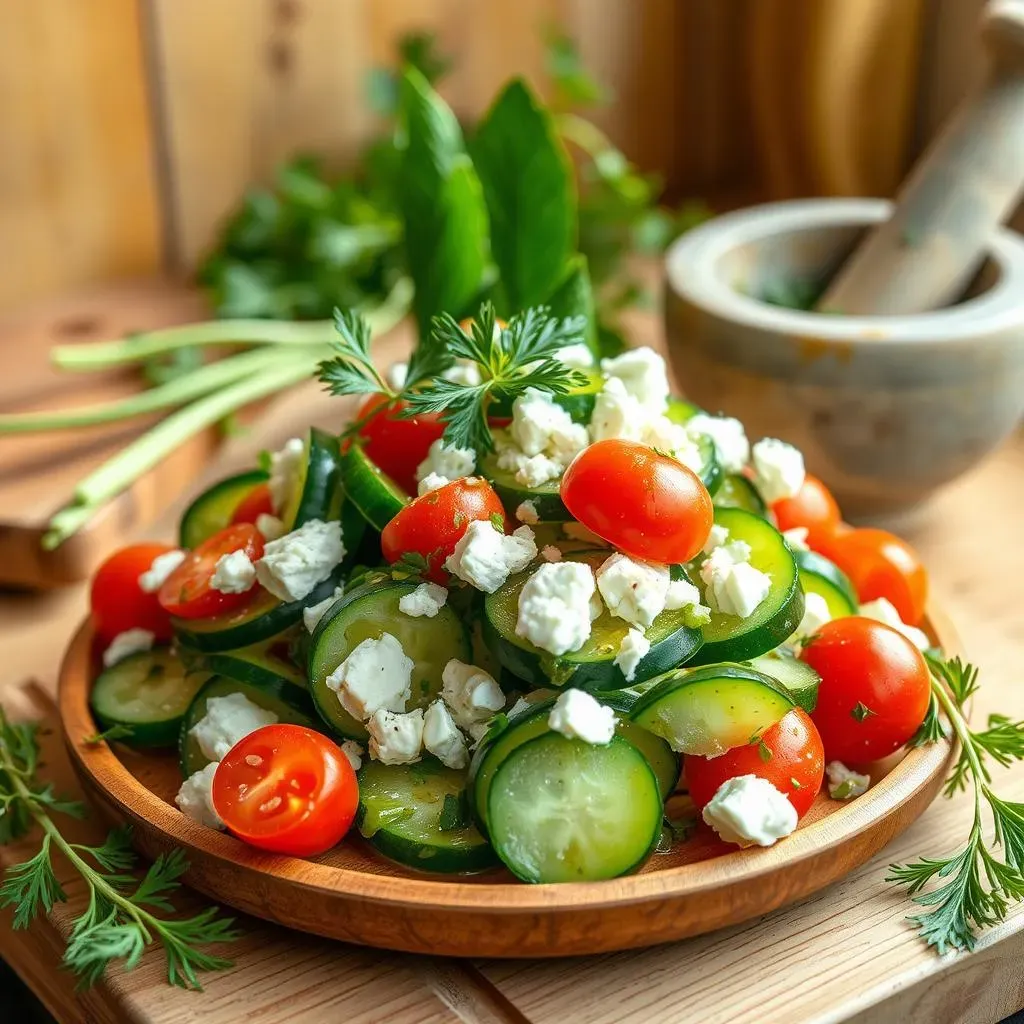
x,y
442,205
573,296
531,194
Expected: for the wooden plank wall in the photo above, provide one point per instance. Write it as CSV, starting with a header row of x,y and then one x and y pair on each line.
x,y
129,127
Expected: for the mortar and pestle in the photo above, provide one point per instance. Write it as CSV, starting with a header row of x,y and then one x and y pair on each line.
x,y
910,367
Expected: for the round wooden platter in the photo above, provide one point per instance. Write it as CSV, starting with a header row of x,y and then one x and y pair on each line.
x,y
353,895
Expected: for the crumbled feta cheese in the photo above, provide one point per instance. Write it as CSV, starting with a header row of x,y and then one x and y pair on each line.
x,y
555,608
526,512
396,738
633,590
233,574
816,614
643,373
377,675
733,585
681,594
195,797
131,641
427,599
442,738
577,356
227,720
397,375
431,482
633,649
354,752
541,427
471,694
161,567
551,554
286,466
583,534
578,716
796,538
883,610
617,414
750,811
729,437
673,439
465,371
294,564
716,538
778,469
485,557
270,526
446,461
312,615
844,784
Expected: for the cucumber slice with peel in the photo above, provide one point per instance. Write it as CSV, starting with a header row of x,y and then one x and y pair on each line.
x,y
737,491
819,575
378,498
797,676
214,508
317,491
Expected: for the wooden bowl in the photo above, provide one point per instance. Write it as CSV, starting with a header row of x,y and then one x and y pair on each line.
x,y
353,895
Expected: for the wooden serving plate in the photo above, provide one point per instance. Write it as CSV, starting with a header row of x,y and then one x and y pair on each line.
x,y
354,895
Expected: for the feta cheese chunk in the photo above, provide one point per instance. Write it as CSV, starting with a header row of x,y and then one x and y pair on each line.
x,y
733,585
555,608
431,482
233,574
633,590
716,538
397,375
681,594
796,538
632,649
131,641
377,675
270,526
294,564
883,610
844,784
552,554
354,752
729,437
427,599
442,738
816,614
160,568
578,716
541,441
312,615
472,695
778,469
194,797
642,372
227,720
396,738
526,512
750,811
286,466
617,414
578,356
445,461
485,558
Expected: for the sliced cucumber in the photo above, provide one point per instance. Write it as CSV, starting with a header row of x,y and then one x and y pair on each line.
x,y
215,507
797,676
562,810
318,491
284,699
378,498
712,709
149,693
593,666
367,613
546,498
664,761
577,402
265,662
730,638
737,491
400,808
818,575
680,410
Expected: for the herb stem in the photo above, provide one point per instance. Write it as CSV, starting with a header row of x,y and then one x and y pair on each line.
x,y
963,733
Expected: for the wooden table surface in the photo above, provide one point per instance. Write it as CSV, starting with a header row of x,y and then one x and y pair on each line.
x,y
843,955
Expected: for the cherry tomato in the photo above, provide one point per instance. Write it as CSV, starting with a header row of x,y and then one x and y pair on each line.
x,y
396,445
879,564
812,507
288,789
789,756
188,593
874,689
255,504
434,523
117,601
647,505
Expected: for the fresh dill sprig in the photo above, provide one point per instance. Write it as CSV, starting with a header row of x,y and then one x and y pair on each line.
x,y
977,887
118,923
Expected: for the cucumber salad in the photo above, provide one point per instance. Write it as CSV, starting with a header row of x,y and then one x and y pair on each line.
x,y
523,600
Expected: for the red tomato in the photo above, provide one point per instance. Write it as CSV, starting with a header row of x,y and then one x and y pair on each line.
x,y
187,592
255,504
434,523
288,789
397,446
118,602
874,689
879,564
796,765
647,505
812,507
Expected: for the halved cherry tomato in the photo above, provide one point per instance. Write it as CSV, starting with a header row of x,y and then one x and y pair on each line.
x,y
646,504
434,523
874,691
394,444
812,508
288,789
789,755
188,593
879,564
117,601
255,504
